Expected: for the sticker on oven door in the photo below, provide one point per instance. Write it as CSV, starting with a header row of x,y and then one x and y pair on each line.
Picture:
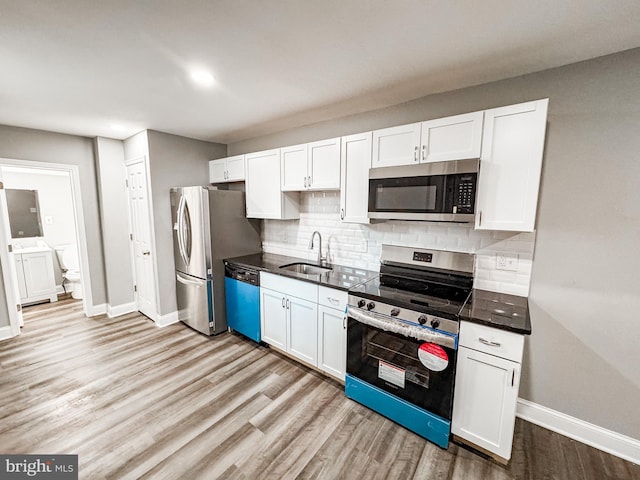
x,y
433,356
391,373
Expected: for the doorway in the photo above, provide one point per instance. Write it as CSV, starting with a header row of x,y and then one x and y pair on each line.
x,y
64,225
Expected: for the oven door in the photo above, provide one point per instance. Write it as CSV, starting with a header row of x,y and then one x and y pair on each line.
x,y
421,371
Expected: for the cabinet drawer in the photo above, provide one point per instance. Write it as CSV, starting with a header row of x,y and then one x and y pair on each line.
x,y
288,286
493,341
332,298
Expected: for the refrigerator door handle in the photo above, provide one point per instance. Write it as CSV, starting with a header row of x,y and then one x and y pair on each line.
x,y
187,281
181,230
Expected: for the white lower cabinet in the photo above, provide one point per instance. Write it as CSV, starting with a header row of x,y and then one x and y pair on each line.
x,y
289,316
36,281
332,332
306,321
486,388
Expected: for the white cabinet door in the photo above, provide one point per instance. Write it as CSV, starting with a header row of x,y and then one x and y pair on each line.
x,y
273,318
235,168
485,399
396,146
303,329
332,341
22,286
355,161
294,168
38,274
510,166
451,138
263,195
324,165
218,171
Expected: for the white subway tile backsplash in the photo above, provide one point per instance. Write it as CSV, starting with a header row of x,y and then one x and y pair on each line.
x,y
360,245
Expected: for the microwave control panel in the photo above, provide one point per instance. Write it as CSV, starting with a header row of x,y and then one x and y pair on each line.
x,y
465,197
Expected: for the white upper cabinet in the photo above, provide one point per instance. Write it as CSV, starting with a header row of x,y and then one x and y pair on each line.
x,y
294,167
263,195
230,169
324,165
510,166
396,146
312,166
355,161
451,138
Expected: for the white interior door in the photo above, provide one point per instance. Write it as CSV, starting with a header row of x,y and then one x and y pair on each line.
x,y
8,263
141,238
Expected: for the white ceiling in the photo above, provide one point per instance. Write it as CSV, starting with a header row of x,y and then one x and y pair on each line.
x,y
78,66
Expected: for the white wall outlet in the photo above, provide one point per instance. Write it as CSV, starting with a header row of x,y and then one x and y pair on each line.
x,y
507,261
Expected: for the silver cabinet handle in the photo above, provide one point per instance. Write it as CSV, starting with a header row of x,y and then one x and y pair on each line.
x,y
146,253
342,214
333,300
415,154
309,181
305,182
282,302
489,342
344,322
288,303
424,152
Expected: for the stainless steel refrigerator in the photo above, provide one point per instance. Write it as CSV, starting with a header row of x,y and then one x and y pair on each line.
x,y
208,226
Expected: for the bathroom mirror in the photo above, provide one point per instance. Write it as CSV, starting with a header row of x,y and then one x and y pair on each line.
x,y
24,213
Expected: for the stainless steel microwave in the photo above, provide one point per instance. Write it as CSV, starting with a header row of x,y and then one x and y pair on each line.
x,y
438,191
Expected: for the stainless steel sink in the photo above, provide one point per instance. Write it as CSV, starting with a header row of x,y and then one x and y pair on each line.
x,y
305,268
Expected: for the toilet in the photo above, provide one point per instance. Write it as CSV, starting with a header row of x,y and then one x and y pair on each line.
x,y
70,265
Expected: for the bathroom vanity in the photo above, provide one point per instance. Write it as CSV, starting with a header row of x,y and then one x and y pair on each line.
x,y
36,280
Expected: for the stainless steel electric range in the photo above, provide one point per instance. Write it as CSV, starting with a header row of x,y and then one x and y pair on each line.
x,y
402,337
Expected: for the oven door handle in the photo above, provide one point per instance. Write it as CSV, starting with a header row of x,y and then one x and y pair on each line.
x,y
384,323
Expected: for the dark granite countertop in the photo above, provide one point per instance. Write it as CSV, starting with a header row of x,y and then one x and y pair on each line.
x,y
340,277
498,310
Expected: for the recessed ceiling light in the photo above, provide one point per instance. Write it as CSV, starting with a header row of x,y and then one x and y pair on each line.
x,y
202,78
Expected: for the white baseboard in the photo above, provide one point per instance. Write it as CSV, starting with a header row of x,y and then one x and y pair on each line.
x,y
5,332
100,309
606,440
168,319
116,311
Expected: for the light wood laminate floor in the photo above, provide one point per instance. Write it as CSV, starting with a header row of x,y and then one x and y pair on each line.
x,y
137,401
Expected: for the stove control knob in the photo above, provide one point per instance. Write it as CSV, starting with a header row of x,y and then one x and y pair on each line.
x,y
361,303
395,312
422,319
371,306
435,323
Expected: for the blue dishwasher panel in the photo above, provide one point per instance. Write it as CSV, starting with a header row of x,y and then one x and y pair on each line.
x,y
243,308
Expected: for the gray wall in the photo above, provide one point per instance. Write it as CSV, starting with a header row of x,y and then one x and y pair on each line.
x,y
583,354
174,162
37,145
115,221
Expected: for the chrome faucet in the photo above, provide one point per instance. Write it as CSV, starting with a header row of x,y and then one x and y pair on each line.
x,y
321,259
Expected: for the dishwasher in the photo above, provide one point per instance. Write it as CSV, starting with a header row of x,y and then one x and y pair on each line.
x,y
242,291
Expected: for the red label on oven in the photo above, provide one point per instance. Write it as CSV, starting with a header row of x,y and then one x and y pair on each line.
x,y
433,356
